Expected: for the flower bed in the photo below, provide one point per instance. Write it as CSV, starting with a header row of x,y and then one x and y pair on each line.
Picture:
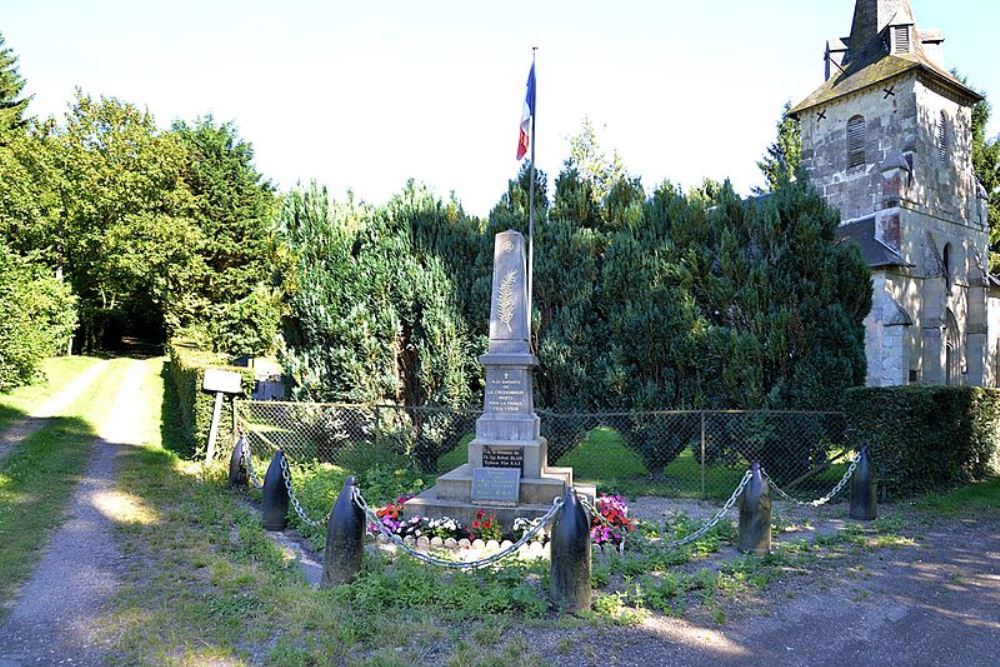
x,y
607,530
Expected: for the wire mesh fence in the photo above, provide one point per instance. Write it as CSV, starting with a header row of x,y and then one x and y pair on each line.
x,y
694,453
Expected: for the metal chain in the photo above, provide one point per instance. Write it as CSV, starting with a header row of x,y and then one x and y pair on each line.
x,y
455,565
825,499
248,463
698,534
714,521
287,474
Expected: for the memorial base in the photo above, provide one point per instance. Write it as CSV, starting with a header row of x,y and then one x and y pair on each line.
x,y
451,497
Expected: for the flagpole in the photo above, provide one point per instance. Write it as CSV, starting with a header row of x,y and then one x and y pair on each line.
x,y
531,203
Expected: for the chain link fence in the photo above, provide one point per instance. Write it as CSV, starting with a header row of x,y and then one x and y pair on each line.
x,y
693,453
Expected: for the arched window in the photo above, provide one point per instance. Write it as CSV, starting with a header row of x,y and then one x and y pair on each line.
x,y
856,140
953,351
942,136
946,260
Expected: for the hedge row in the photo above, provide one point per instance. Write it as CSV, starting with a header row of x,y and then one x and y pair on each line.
x,y
186,371
924,438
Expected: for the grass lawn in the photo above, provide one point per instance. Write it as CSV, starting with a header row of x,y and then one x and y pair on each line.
x,y
58,372
37,479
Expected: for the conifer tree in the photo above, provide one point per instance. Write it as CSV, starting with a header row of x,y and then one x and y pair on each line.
x,y
783,157
12,105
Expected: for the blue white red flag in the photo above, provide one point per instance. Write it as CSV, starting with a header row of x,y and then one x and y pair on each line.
x,y
525,138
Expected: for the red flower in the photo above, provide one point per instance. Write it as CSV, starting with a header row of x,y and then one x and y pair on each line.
x,y
475,525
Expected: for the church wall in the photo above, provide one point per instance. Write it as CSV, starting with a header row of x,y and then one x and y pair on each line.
x,y
945,189
992,370
856,192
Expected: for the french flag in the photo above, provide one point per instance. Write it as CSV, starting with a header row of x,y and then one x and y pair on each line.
x,y
524,140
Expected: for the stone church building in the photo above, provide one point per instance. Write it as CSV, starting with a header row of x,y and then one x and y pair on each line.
x,y
887,140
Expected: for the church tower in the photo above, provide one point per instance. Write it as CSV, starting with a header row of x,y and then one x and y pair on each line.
x,y
887,140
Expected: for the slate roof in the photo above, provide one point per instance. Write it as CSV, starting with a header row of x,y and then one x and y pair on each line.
x,y
870,65
875,253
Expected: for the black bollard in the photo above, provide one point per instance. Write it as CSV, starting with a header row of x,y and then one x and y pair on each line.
x,y
345,539
237,468
275,494
755,515
864,490
571,556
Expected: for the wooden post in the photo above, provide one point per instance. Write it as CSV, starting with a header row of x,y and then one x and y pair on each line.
x,y
213,432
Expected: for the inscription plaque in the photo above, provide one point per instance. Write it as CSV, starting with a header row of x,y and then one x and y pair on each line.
x,y
503,457
507,392
496,486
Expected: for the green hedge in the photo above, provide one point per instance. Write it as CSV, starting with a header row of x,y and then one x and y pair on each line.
x,y
186,371
924,438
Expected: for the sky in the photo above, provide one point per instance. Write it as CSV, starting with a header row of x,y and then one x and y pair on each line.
x,y
365,95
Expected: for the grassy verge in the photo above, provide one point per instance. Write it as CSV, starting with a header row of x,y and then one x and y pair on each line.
x,y
37,480
969,499
58,372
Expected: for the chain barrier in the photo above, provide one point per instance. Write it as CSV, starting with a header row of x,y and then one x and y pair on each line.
x,y
698,534
456,565
248,463
825,499
287,474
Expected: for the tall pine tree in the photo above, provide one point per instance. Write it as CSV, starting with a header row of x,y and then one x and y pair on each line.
x,y
783,156
12,105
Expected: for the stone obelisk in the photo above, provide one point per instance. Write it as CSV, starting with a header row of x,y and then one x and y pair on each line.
x,y
508,471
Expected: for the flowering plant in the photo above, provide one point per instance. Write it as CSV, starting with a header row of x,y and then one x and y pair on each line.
x,y
523,525
444,527
485,527
391,516
613,523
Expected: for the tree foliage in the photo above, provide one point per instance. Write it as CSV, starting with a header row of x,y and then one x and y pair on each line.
x,y
37,317
783,157
156,231
12,105
236,288
375,313
641,301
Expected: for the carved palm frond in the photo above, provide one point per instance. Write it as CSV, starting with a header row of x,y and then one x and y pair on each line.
x,y
506,303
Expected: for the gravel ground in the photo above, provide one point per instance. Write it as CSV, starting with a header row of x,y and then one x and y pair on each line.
x,y
59,611
937,603
22,429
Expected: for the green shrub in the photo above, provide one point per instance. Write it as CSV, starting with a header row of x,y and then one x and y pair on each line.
x,y
37,317
923,438
186,371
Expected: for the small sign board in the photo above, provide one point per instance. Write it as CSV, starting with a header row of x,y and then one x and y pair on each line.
x,y
496,486
221,381
503,457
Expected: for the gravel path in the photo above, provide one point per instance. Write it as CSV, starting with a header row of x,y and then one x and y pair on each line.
x,y
23,428
58,614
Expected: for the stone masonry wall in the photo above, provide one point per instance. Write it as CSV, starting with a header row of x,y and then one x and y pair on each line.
x,y
857,192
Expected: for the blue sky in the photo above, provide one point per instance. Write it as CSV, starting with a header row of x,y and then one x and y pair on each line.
x,y
367,94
